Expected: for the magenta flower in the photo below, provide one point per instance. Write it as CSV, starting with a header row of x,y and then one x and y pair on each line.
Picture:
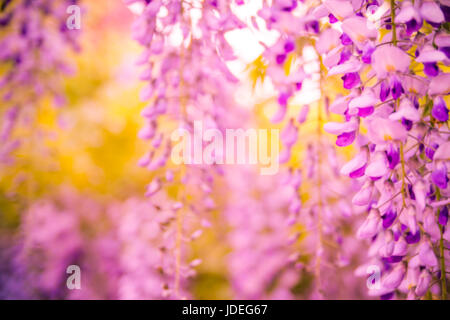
x,y
439,176
388,59
393,279
440,111
423,284
383,131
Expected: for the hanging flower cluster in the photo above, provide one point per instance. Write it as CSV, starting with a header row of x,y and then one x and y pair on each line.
x,y
326,216
187,81
120,248
257,216
391,57
34,44
146,235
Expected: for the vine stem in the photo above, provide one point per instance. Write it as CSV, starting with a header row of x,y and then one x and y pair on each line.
x,y
394,27
441,254
442,258
402,156
180,212
319,248
402,159
319,186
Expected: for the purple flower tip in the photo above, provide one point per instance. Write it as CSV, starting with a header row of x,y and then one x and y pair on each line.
x,y
358,173
280,58
387,296
397,89
345,55
384,91
393,157
440,111
365,112
412,26
345,40
313,25
351,80
407,124
367,55
431,69
289,46
443,216
439,177
429,152
389,218
332,18
345,139
412,238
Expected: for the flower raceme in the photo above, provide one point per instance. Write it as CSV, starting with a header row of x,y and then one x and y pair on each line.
x,y
404,111
392,58
34,40
187,81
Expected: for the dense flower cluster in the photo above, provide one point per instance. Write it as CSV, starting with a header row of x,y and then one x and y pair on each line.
x,y
397,84
120,248
366,157
187,80
392,58
257,215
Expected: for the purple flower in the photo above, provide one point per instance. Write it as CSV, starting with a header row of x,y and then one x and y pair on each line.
x,y
393,279
369,228
393,156
345,139
427,256
345,39
384,91
286,6
393,259
283,98
397,89
431,69
367,54
413,25
412,238
389,59
280,58
358,173
407,124
313,25
389,218
445,50
289,46
412,195
440,111
332,18
429,152
387,296
439,176
351,80
423,283
388,24
443,216
345,55
366,111
446,10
